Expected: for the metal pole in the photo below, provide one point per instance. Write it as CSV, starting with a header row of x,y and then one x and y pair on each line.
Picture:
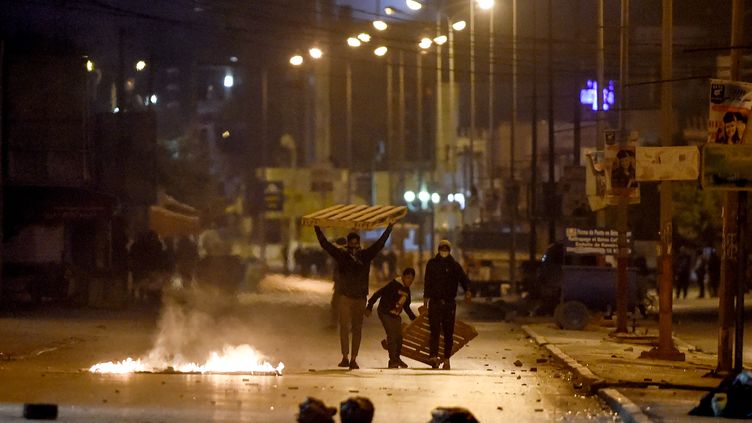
x,y
349,118
666,349
419,118
264,146
551,154
600,116
577,107
737,18
622,284
2,163
471,156
390,126
439,97
401,117
491,141
512,145
730,254
532,212
452,114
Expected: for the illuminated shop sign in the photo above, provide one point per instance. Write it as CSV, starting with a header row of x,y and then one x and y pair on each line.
x,y
588,97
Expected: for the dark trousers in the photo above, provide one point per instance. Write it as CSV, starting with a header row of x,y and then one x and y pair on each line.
x,y
393,328
350,320
441,320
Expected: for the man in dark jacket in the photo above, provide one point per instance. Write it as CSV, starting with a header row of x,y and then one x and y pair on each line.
x,y
395,297
354,266
443,275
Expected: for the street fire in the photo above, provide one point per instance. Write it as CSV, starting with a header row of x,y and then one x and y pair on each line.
x,y
242,359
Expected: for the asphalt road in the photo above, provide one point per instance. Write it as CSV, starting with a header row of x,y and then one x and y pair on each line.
x,y
45,356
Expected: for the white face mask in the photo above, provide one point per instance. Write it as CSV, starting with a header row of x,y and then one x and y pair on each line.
x,y
444,253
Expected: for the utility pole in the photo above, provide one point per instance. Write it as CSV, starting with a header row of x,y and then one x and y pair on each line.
x,y
577,133
390,150
349,118
471,156
737,21
533,211
491,150
550,195
2,161
600,215
512,144
666,349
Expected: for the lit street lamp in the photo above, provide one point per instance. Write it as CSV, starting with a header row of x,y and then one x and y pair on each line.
x,y
140,65
315,52
296,60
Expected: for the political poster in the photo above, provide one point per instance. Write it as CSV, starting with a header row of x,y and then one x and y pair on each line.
x,y
730,104
681,163
727,167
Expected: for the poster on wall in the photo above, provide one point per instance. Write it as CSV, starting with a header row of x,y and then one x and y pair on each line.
x,y
680,163
730,104
727,167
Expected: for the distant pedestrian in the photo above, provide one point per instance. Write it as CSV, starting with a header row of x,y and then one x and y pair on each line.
x,y
442,277
393,298
714,272
682,269
700,270
354,264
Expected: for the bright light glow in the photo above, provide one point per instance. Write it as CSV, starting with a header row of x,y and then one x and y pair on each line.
x,y
89,66
440,40
459,25
315,52
140,65
232,359
389,11
229,81
116,110
413,5
460,198
353,42
296,60
380,51
435,198
226,134
425,43
380,25
588,95
153,99
486,4
234,59
363,36
409,196
450,198
424,196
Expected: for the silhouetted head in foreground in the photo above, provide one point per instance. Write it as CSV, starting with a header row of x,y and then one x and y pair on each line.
x,y
452,415
313,410
356,410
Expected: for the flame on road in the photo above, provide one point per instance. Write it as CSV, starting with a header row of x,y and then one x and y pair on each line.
x,y
232,359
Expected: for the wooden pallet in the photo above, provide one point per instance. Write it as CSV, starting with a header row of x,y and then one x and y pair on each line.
x,y
355,216
416,336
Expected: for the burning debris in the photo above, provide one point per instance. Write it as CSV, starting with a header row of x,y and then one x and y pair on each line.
x,y
192,323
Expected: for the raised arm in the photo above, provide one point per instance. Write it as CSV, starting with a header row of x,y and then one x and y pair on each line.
x,y
374,248
325,244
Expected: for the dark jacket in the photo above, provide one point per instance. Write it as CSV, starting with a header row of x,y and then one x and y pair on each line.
x,y
442,277
353,267
395,297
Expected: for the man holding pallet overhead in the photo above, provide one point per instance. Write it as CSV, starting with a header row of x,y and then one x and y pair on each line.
x,y
354,266
443,275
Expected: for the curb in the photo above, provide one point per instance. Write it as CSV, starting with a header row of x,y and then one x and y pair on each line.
x,y
589,378
627,410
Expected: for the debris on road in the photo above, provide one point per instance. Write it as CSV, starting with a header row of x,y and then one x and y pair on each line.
x,y
518,363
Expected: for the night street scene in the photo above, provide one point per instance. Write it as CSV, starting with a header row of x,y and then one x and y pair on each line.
x,y
375,210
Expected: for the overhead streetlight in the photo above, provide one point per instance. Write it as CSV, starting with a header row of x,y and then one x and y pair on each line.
x,y
389,11
424,196
89,66
153,99
409,196
435,198
315,52
296,60
485,4
425,43
440,40
413,5
380,51
140,65
380,25
229,81
459,25
364,37
353,42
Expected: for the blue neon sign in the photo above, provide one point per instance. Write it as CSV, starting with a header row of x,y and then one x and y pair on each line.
x,y
588,96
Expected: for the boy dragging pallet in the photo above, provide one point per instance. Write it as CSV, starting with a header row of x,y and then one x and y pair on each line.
x,y
395,297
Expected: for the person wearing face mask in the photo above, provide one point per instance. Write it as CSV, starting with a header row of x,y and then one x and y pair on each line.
x,y
354,266
443,275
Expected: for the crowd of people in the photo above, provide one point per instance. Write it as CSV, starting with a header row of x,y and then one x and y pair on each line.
x,y
703,267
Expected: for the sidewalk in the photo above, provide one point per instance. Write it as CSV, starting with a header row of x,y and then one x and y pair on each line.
x,y
640,390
